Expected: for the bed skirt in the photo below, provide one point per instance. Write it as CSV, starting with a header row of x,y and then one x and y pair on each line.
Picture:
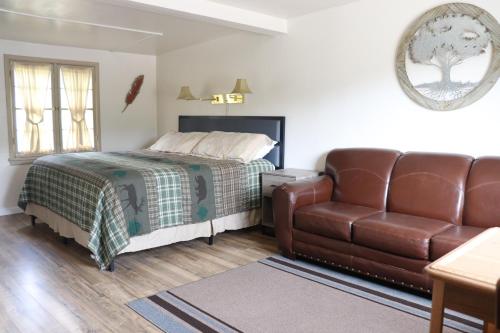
x,y
157,238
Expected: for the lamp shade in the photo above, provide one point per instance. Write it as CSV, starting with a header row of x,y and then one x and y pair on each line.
x,y
241,87
185,94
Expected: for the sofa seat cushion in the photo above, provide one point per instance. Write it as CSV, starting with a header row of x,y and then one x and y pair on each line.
x,y
330,219
400,234
452,238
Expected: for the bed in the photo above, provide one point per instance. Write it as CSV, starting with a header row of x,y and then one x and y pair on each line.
x,y
119,202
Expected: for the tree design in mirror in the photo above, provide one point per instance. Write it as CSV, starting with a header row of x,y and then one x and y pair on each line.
x,y
450,57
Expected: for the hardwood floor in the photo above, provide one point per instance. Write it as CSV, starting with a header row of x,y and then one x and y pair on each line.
x,y
46,286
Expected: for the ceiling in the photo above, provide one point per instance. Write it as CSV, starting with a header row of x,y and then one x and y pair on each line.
x,y
177,32
145,26
284,8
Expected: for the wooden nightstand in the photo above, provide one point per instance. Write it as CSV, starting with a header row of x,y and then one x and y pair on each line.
x,y
273,179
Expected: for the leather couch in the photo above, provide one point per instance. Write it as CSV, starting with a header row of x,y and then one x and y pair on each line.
x,y
386,214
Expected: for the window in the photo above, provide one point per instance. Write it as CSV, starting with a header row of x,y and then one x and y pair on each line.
x,y
52,107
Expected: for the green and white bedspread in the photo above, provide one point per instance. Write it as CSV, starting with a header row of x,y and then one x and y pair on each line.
x,y
114,196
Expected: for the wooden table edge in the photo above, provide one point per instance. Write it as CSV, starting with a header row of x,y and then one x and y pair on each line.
x,y
451,278
456,278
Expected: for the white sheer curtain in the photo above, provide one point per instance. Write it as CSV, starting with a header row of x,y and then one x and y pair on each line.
x,y
76,86
32,84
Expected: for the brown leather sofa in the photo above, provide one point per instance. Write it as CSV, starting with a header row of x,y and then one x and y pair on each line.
x,y
386,214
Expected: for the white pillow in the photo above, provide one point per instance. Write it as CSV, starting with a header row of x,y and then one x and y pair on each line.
x,y
178,142
243,147
265,150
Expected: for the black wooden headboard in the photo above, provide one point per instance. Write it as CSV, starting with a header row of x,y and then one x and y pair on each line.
x,y
273,127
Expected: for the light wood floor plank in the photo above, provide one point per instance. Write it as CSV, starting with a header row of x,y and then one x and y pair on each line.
x,y
46,286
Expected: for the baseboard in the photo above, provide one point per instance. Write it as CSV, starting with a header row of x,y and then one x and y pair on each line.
x,y
10,210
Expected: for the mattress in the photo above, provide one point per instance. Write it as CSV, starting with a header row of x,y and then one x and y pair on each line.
x,y
118,195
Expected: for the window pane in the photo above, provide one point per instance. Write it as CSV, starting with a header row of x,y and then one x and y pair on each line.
x,y
48,99
24,132
89,118
65,120
77,115
19,103
90,99
33,108
66,124
64,99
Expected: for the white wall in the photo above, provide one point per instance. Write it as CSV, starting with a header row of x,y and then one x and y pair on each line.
x,y
131,130
333,78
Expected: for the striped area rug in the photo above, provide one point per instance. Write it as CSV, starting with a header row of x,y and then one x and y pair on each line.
x,y
272,295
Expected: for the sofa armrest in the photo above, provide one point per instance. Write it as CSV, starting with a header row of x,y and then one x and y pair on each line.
x,y
291,196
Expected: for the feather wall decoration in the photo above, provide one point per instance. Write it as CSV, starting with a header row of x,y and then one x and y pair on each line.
x,y
135,88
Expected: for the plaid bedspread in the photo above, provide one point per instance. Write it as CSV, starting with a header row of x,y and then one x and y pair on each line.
x,y
114,196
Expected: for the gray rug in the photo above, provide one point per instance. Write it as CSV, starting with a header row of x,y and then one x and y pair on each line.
x,y
280,295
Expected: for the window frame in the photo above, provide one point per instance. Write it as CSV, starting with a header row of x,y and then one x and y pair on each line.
x,y
14,157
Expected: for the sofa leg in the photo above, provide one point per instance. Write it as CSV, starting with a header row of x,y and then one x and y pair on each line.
x,y
33,219
111,267
65,240
211,240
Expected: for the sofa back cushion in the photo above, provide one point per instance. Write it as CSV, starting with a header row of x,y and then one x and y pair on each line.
x,y
482,194
429,185
361,175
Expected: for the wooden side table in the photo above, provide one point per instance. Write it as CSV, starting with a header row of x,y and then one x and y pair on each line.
x,y
465,280
273,179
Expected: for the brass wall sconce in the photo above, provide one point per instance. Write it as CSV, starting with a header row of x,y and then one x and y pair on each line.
x,y
237,96
186,95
